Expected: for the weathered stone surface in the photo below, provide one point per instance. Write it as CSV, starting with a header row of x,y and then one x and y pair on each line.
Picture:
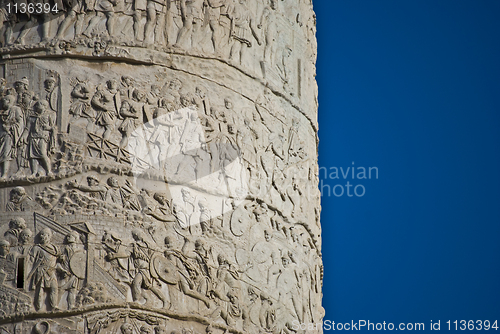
x,y
158,168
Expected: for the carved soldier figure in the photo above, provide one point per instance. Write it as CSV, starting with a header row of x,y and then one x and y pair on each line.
x,y
93,188
213,8
75,13
103,8
40,136
11,128
16,226
192,17
21,88
80,105
71,282
130,121
19,200
242,27
42,276
141,255
269,22
107,101
155,21
5,251
162,212
52,94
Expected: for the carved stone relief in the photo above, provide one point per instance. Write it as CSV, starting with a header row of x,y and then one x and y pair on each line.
x,y
175,191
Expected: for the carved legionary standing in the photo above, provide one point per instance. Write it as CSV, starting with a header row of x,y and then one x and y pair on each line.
x,y
242,29
40,137
11,128
43,272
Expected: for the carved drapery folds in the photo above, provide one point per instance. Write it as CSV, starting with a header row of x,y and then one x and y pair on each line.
x,y
175,190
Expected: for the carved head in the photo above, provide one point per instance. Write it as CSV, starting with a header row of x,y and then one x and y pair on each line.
x,y
92,180
199,245
203,204
146,330
127,328
200,92
138,94
186,195
8,101
274,4
161,198
138,235
128,81
221,260
41,106
45,236
228,103
4,247
21,85
17,194
25,236
160,330
26,98
231,128
17,223
267,235
50,83
112,84
186,100
72,238
175,84
125,105
258,214
113,182
168,242
285,261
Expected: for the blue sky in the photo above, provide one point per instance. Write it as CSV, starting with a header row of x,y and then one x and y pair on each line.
x,y
412,88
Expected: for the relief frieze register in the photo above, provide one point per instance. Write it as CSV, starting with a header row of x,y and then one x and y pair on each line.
x,y
158,167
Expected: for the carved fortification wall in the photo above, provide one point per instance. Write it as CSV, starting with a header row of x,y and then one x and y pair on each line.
x,y
158,167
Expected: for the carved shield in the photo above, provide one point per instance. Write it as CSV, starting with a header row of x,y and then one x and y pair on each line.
x,y
239,221
165,269
78,264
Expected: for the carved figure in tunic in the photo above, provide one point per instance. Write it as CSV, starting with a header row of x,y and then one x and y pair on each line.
x,y
107,101
162,211
103,8
93,189
242,29
52,94
71,282
75,13
140,255
192,17
269,22
19,200
42,276
40,136
155,21
130,121
80,104
213,8
11,128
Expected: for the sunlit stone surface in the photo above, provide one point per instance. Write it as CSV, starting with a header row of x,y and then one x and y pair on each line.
x,y
158,167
